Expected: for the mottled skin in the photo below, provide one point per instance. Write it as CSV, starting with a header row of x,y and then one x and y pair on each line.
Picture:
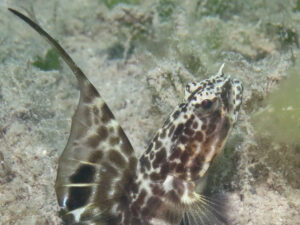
x,y
182,150
101,182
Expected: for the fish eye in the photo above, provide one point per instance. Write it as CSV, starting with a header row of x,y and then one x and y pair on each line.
x,y
206,104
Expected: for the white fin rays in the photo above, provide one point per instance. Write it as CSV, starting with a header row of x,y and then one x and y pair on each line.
x,y
206,211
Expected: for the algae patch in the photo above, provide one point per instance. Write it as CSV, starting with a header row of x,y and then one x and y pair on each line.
x,y
112,3
165,10
278,130
49,62
281,116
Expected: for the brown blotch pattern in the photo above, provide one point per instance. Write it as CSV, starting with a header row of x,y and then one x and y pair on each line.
x,y
178,186
96,156
138,202
126,146
176,152
87,116
188,131
164,170
132,163
197,166
151,207
163,134
198,136
90,92
149,148
172,166
96,120
158,144
155,176
176,114
180,168
101,196
114,141
152,155
184,157
214,120
157,190
96,111
106,114
173,197
211,128
102,133
93,141
160,157
183,139
144,162
178,131
171,130
116,158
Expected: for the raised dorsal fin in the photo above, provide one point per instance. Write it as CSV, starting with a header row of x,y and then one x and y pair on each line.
x,y
98,162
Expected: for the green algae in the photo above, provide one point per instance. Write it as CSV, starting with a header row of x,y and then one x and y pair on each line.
x,y
49,62
281,115
165,9
297,6
112,3
285,35
116,51
224,9
214,38
192,62
277,131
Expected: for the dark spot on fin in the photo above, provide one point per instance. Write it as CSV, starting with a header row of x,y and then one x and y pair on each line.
x,y
78,197
84,174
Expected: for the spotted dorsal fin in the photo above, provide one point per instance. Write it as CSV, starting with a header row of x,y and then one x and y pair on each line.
x,y
98,163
